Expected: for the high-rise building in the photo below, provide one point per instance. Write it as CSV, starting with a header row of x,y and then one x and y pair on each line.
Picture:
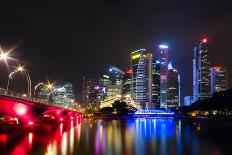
x,y
163,75
104,82
149,103
173,84
139,76
201,71
155,104
90,91
127,81
218,79
115,75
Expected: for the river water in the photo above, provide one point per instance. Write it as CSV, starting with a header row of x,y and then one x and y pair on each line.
x,y
129,136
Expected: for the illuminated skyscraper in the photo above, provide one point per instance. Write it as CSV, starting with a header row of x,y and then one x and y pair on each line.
x,y
155,104
201,71
163,75
173,84
218,79
139,76
90,91
115,75
127,81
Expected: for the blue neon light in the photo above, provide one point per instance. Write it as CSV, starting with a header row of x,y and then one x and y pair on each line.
x,y
154,112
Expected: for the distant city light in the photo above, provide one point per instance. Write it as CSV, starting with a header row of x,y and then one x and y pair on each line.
x,y
20,68
129,71
136,56
163,46
204,40
170,66
106,76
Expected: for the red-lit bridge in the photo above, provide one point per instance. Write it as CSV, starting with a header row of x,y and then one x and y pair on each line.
x,y
19,109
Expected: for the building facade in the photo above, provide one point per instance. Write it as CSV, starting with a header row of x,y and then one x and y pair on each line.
x,y
127,82
115,75
219,80
173,89
139,76
201,71
155,104
163,75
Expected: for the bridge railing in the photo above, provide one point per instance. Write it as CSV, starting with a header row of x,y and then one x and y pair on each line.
x,y
27,98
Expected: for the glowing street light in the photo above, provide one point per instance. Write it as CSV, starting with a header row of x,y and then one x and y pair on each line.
x,y
3,56
22,70
49,86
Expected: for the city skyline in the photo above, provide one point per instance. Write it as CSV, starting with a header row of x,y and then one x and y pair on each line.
x,y
36,45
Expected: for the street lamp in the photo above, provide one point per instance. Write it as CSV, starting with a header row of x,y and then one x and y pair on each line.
x,y
3,56
22,70
49,86
39,84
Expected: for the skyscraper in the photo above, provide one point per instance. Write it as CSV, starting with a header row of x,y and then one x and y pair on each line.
x,y
90,91
127,81
115,75
139,76
218,79
172,88
155,104
163,75
201,71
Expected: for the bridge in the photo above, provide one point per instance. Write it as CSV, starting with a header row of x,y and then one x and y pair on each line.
x,y
20,109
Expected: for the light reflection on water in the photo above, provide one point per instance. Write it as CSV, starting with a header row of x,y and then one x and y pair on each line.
x,y
131,136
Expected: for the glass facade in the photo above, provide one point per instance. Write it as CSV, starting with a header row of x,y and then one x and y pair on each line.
x,y
218,79
201,71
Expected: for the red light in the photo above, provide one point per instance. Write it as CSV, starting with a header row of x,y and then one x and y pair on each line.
x,y
217,67
20,109
30,123
129,71
71,117
61,119
204,40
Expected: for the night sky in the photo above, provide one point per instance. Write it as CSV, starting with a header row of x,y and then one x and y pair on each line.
x,y
66,40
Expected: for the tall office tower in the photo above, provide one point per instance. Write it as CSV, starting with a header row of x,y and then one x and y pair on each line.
x,y
149,81
163,75
219,81
115,75
90,91
139,76
155,85
172,88
127,81
201,71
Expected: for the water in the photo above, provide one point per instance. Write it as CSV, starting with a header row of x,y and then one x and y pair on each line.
x,y
131,136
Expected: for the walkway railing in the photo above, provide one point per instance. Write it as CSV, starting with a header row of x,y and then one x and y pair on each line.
x,y
30,99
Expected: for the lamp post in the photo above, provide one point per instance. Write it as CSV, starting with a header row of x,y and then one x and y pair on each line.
x,y
39,84
22,70
49,86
